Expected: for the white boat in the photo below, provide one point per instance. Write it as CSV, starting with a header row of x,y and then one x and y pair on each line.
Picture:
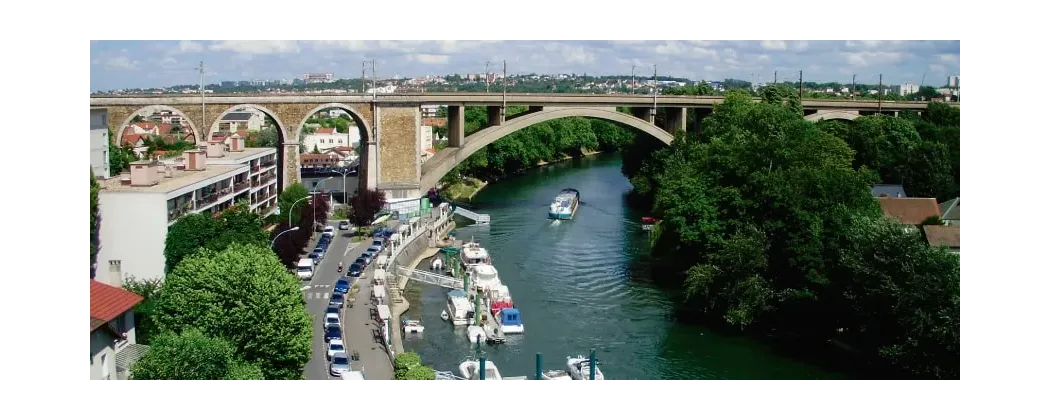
x,y
510,321
485,276
470,370
437,264
579,368
564,205
458,309
476,334
557,375
472,254
412,326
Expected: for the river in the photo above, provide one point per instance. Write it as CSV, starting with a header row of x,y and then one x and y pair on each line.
x,y
584,284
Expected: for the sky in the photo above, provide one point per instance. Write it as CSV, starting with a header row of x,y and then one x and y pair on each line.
x,y
144,64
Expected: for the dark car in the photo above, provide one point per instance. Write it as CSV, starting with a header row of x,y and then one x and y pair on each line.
x,y
337,299
333,331
373,251
367,258
361,262
342,285
316,257
354,270
324,242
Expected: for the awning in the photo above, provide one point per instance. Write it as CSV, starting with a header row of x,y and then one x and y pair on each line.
x,y
384,312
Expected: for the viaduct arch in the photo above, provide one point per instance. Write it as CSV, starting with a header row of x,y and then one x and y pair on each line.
x,y
438,166
118,135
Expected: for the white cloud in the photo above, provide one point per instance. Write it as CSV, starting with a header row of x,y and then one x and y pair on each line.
x,y
256,47
190,47
868,58
952,59
430,58
122,63
774,45
937,68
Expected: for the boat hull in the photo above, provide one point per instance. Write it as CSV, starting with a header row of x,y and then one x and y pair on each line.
x,y
513,329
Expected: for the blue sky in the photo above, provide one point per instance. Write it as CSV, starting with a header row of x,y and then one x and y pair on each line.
x,y
139,64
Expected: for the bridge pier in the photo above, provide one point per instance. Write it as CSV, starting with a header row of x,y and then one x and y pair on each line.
x,y
698,117
496,115
455,125
644,113
676,120
534,108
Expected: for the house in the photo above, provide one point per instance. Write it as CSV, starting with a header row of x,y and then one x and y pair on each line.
x,y
950,212
910,211
324,139
888,190
943,236
113,346
236,121
317,161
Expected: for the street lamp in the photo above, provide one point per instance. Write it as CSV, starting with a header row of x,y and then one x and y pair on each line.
x,y
292,207
282,233
314,192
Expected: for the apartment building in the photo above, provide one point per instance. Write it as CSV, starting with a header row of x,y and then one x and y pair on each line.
x,y
138,206
325,139
99,143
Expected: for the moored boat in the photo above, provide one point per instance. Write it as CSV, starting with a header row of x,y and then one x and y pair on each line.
x,y
470,369
579,368
458,309
510,321
564,205
476,334
412,326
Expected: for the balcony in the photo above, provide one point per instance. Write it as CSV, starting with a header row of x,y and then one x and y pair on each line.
x,y
264,179
263,197
256,168
268,164
176,213
241,186
266,210
207,200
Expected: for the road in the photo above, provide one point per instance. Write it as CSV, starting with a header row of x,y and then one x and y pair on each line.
x,y
357,322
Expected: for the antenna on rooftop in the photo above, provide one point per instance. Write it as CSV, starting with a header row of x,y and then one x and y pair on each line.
x,y
204,118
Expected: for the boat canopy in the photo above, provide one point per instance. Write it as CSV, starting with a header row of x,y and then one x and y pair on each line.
x,y
510,316
395,237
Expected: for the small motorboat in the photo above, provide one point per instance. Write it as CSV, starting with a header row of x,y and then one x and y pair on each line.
x,y
437,264
579,368
412,326
444,315
470,370
476,334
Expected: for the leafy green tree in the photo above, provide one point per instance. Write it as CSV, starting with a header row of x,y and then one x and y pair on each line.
x,y
192,356
409,366
239,224
244,295
290,196
96,222
150,290
185,236
420,373
120,158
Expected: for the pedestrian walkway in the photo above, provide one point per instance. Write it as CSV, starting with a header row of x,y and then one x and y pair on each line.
x,y
363,332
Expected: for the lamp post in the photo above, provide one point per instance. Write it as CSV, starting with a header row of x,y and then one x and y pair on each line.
x,y
282,233
292,207
314,192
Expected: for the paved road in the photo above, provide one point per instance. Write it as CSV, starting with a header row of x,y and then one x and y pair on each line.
x,y
357,321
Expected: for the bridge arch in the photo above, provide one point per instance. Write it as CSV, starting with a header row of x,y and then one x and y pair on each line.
x,y
832,115
282,135
118,136
445,162
362,125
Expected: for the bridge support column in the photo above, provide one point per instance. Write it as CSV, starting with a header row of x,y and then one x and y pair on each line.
x,y
698,119
455,125
496,115
675,120
534,108
291,164
645,113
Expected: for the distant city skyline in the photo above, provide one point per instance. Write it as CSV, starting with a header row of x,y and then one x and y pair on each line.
x,y
155,64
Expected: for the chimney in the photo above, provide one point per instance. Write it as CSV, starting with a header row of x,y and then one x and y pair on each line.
x,y
144,174
216,148
196,160
236,143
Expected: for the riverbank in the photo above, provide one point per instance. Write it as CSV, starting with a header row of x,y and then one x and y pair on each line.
x,y
468,187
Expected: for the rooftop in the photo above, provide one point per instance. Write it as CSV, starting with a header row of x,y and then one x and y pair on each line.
x,y
242,156
178,180
237,116
910,211
108,302
950,209
942,235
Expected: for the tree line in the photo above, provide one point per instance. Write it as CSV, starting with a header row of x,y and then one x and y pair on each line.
x,y
543,142
768,224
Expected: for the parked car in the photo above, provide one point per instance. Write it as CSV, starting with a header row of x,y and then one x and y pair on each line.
x,y
344,225
320,251
332,310
335,346
333,332
342,285
361,262
354,270
373,251
331,319
316,257
328,231
377,244
337,299
340,364
366,257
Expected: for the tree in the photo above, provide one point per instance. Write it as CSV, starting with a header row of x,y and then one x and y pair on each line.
x,y
365,205
316,151
192,356
186,236
239,224
96,222
244,295
150,290
409,366
290,196
120,158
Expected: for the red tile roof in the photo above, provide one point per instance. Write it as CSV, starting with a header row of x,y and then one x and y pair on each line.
x,y
325,131
343,149
910,210
146,125
942,235
434,122
108,302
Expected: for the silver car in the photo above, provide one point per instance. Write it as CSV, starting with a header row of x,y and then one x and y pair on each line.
x,y
340,364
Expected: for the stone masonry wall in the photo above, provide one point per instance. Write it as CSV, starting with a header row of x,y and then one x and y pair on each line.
x,y
399,145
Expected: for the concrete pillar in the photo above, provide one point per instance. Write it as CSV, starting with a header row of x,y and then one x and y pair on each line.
x,y
675,120
495,115
291,164
368,168
455,125
645,113
534,108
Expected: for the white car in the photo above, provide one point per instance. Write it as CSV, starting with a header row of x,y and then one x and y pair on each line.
x,y
340,364
335,346
331,319
329,231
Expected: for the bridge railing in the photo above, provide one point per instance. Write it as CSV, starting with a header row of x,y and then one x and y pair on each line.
x,y
481,219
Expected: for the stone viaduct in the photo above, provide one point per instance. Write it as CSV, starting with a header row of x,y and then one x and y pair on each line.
x,y
389,124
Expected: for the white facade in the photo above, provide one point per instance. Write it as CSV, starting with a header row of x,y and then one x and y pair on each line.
x,y
909,88
135,219
99,143
953,81
327,139
104,347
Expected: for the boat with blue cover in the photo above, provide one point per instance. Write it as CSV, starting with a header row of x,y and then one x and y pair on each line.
x,y
564,205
